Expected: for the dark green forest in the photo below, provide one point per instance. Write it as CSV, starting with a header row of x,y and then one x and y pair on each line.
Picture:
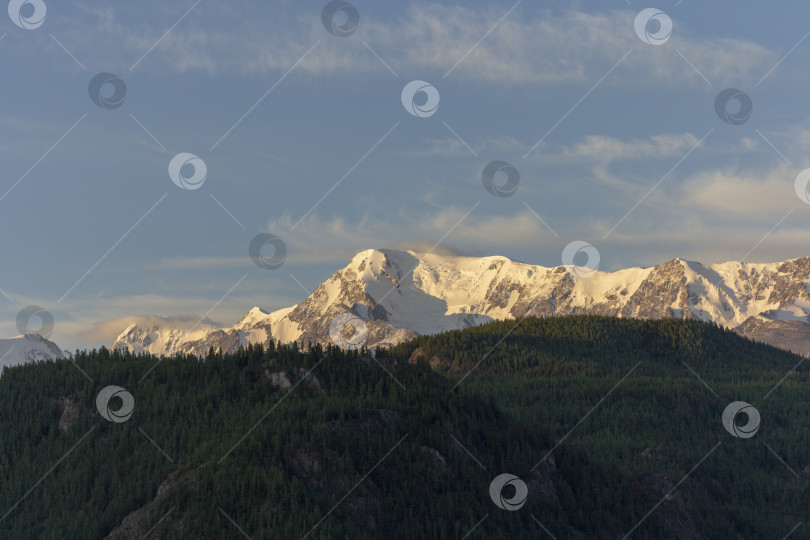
x,y
614,425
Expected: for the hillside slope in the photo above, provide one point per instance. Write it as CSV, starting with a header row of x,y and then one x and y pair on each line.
x,y
614,426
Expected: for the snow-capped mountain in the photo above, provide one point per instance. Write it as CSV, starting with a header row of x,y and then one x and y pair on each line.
x,y
389,296
28,348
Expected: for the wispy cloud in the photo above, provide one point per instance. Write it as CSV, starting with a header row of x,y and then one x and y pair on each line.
x,y
529,46
601,148
453,147
107,331
337,239
192,263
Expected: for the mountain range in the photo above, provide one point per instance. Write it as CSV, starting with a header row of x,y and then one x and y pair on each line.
x,y
384,297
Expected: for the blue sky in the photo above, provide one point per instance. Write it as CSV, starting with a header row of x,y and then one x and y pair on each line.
x,y
627,152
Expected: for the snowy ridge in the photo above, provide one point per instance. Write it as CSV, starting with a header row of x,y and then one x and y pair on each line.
x,y
400,294
28,348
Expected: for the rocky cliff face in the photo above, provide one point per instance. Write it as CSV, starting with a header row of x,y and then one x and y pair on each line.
x,y
383,297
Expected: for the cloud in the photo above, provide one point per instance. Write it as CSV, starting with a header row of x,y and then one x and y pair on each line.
x,y
716,214
77,319
652,239
107,331
441,249
337,239
529,46
194,263
555,47
733,175
598,148
453,147
742,192
592,148
757,189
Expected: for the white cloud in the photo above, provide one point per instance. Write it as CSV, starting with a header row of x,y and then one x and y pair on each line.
x,y
759,191
742,192
337,239
699,236
591,148
77,319
528,46
550,47
107,331
602,148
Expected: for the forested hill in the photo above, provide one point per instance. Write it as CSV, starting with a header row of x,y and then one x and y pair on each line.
x,y
540,343
613,425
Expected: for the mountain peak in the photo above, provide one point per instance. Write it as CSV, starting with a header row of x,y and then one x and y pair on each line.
x,y
253,317
256,311
27,348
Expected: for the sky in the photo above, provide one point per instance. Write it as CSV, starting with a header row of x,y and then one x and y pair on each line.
x,y
299,129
